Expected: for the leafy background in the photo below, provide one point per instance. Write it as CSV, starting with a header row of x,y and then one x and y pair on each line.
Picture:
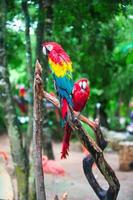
x,y
99,39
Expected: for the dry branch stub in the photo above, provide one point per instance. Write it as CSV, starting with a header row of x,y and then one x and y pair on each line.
x,y
37,134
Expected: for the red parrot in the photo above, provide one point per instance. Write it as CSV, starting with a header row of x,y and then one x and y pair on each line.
x,y
61,68
21,101
80,95
22,91
60,65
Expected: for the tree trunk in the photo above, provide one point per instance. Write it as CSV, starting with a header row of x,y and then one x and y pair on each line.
x,y
29,69
40,29
32,193
15,136
37,138
42,14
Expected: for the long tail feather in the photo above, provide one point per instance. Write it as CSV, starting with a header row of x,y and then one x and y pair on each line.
x,y
66,139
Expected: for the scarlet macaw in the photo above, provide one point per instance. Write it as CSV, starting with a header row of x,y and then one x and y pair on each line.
x,y
80,95
61,66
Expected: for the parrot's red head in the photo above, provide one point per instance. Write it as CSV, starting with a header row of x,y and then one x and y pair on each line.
x,y
55,53
51,46
80,94
82,84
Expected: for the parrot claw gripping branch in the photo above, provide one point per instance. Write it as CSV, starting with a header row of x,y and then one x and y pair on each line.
x,y
69,97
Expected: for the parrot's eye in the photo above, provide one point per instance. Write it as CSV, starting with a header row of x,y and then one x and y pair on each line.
x,y
49,47
84,85
80,84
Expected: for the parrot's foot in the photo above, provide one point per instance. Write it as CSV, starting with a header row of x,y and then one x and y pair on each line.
x,y
76,122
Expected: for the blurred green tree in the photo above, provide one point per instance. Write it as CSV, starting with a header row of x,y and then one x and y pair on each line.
x,y
89,32
21,71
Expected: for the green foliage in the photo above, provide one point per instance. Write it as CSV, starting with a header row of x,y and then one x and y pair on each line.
x,y
93,35
98,37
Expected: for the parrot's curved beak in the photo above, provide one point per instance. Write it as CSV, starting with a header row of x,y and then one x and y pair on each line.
x,y
44,50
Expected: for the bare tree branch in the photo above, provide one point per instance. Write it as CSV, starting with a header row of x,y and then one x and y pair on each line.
x,y
37,136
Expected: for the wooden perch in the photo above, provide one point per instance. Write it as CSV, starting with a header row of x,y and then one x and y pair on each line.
x,y
37,135
96,150
56,103
98,157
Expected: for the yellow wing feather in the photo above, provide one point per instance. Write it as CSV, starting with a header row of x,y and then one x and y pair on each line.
x,y
60,70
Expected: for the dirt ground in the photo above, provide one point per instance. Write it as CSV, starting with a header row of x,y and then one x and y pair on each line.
x,y
74,182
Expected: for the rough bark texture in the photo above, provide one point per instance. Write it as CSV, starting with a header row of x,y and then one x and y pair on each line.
x,y
17,150
37,137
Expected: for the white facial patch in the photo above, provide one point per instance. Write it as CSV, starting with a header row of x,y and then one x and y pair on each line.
x,y
44,50
49,47
84,85
80,84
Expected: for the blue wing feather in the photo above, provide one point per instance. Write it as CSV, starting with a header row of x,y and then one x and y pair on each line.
x,y
64,87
